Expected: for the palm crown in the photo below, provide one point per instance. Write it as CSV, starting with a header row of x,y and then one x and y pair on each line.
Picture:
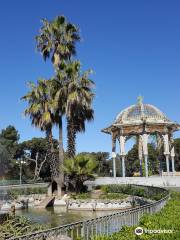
x,y
39,105
57,39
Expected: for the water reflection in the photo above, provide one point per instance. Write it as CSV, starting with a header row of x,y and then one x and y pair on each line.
x,y
56,216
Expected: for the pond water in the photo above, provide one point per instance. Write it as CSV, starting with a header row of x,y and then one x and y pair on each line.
x,y
56,216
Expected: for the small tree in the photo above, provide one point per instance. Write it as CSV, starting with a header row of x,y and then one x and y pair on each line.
x,y
39,162
79,169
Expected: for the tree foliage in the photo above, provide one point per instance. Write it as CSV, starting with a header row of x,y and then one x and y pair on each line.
x,y
177,154
9,138
4,161
133,165
38,147
103,164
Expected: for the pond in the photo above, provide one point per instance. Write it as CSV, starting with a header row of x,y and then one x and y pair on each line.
x,y
55,216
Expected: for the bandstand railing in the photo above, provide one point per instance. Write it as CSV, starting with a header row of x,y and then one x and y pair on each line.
x,y
101,225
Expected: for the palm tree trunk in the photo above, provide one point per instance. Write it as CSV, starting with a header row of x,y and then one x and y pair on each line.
x,y
61,152
49,138
71,138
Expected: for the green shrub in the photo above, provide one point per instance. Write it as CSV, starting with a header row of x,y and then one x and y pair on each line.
x,y
167,218
80,196
14,193
112,196
135,190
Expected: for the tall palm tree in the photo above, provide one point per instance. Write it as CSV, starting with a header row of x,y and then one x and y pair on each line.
x,y
58,93
39,106
79,104
57,40
40,111
72,94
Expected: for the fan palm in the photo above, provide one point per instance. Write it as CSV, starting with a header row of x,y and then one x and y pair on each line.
x,y
79,104
79,169
40,110
40,107
57,40
72,96
58,96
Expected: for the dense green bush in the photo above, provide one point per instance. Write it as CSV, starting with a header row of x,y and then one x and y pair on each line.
x,y
167,218
14,193
111,196
81,195
141,191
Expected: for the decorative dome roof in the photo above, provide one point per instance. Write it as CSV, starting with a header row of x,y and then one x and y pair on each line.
x,y
139,118
141,112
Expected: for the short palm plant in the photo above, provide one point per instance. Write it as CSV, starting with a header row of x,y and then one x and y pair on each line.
x,y
79,169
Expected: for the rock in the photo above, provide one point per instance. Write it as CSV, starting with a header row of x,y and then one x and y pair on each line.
x,y
59,202
31,199
62,237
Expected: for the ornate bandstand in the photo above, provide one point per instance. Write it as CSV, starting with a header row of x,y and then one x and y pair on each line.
x,y
142,120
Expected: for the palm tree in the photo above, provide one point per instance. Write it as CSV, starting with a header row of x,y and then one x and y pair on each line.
x,y
39,107
79,169
57,40
72,94
40,110
79,104
58,93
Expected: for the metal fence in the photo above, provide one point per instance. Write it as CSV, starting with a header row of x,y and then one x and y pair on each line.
x,y
101,225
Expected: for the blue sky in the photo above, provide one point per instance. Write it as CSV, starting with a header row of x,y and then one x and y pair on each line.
x,y
132,46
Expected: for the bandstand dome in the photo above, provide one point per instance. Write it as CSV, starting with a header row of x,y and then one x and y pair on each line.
x,y
141,112
142,120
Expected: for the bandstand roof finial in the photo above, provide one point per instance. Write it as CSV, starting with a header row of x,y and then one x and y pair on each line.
x,y
139,99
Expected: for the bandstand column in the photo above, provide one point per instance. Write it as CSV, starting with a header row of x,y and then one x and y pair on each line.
x,y
145,151
167,163
172,160
123,165
140,154
122,140
146,165
114,155
166,151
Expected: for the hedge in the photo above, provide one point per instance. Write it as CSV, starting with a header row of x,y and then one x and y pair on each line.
x,y
14,193
136,190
